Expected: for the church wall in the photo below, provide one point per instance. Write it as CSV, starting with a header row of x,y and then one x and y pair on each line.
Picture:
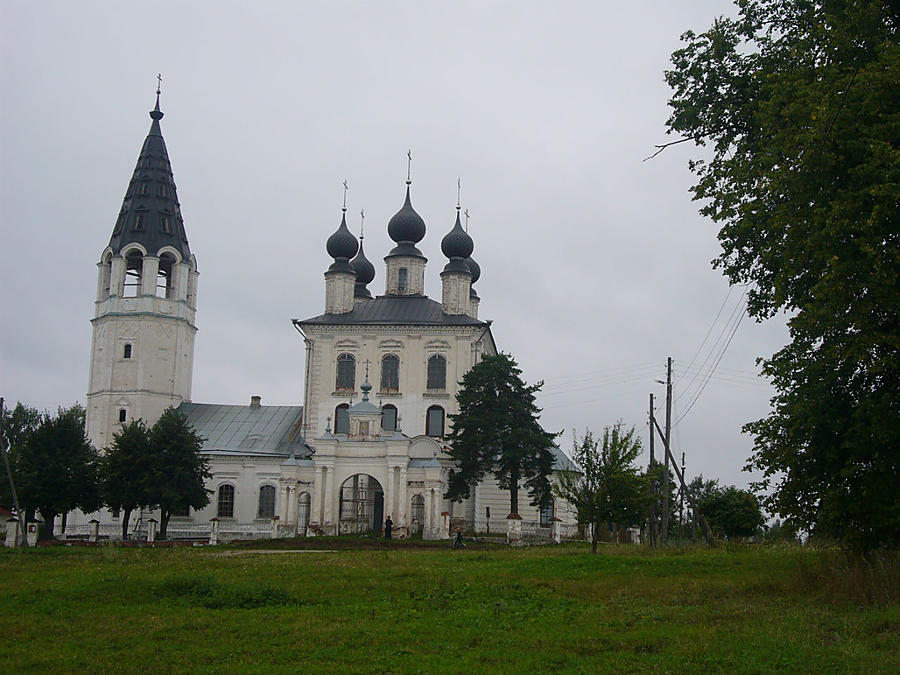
x,y
488,494
246,475
414,345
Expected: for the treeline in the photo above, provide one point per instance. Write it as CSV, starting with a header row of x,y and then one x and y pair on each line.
x,y
55,469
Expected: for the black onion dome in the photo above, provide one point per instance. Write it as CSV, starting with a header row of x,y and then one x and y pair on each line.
x,y
342,244
474,268
457,243
365,270
406,224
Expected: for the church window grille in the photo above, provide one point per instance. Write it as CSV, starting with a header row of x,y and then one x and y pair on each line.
x,y
122,414
417,513
225,507
266,507
342,419
434,421
437,372
402,280
390,373
126,352
389,418
346,372
547,513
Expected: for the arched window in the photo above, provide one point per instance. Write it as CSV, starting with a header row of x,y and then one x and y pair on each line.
x,y
346,373
342,419
547,513
434,421
122,414
389,418
164,278
126,351
402,280
266,507
437,372
134,272
390,373
226,502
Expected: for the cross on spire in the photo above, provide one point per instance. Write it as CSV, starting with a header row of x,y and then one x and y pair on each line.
x,y
458,190
346,188
362,223
367,363
158,83
466,214
409,166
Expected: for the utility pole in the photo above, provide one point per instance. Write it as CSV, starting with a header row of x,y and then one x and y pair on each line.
x,y
665,523
653,498
12,485
681,506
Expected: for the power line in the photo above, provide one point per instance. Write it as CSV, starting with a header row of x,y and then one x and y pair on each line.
x,y
718,360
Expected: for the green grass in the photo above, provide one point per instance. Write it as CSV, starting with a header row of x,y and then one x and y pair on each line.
x,y
434,610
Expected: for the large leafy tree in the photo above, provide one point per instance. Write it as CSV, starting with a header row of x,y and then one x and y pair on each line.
x,y
730,511
176,477
798,106
126,470
608,488
58,469
497,431
17,425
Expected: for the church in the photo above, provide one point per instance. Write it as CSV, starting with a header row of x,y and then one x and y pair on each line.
x,y
380,381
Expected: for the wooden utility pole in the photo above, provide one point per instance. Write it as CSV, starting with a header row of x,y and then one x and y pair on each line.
x,y
681,506
653,497
665,523
690,497
12,486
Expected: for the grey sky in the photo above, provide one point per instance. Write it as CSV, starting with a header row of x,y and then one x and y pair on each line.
x,y
594,263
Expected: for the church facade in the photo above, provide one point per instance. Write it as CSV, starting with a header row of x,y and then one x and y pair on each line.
x,y
380,381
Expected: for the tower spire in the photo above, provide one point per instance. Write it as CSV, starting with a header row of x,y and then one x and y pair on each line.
x,y
346,189
409,167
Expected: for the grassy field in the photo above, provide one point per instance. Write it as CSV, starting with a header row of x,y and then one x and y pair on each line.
x,y
435,610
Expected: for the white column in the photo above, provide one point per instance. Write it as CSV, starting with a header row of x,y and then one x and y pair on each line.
x,y
283,503
315,504
292,505
403,499
149,273
329,497
389,493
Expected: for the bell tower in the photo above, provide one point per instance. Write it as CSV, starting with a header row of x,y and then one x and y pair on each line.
x,y
142,350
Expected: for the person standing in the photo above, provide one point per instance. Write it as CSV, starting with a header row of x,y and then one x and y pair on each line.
x,y
388,526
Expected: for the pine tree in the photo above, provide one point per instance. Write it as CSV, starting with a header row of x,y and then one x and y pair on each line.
x,y
497,431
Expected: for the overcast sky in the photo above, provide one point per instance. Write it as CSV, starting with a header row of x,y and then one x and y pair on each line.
x,y
595,264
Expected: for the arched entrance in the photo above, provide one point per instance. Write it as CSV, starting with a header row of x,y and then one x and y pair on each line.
x,y
361,505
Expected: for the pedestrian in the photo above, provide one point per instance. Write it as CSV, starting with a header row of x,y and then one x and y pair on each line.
x,y
388,526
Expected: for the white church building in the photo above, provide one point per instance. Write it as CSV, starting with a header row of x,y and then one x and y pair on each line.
x,y
380,379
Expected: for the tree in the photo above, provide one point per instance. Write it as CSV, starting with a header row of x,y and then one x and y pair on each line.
x,y
57,469
797,101
497,430
18,424
126,469
176,477
732,512
608,487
